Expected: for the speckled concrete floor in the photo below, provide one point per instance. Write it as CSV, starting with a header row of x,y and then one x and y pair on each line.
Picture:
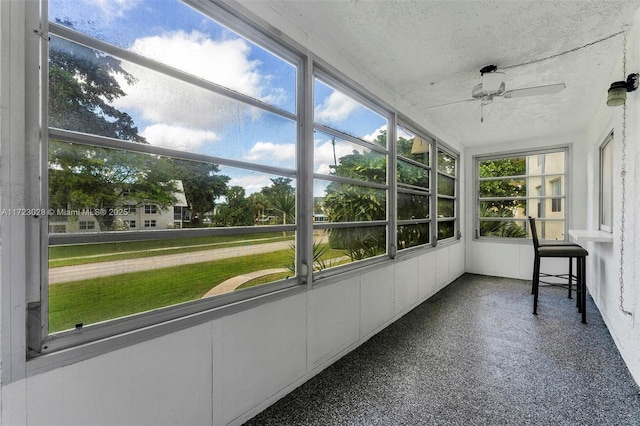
x,y
474,355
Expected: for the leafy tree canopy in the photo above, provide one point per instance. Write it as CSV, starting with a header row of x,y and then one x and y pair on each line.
x,y
282,196
83,86
202,186
237,211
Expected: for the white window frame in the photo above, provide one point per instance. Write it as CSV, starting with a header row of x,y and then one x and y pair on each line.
x,y
529,198
457,234
47,352
606,184
333,80
41,343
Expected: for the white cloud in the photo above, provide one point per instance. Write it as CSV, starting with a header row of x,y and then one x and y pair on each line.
x,y
336,107
404,134
251,183
324,154
268,152
224,62
161,99
176,137
110,9
372,137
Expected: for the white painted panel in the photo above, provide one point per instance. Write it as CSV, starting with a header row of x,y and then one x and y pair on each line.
x,y
526,261
406,285
377,299
427,275
172,379
456,261
264,350
442,267
555,266
164,381
334,318
14,404
502,260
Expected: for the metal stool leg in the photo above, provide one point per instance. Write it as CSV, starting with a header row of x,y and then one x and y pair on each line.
x,y
570,276
583,287
536,283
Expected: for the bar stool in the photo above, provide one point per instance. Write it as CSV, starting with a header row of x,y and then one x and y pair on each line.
x,y
569,251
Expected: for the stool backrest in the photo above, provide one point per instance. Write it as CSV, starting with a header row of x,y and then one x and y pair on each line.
x,y
534,233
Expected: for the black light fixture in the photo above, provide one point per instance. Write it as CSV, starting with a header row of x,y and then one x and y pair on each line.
x,y
617,94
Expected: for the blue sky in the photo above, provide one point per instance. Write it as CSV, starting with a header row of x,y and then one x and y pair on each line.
x,y
177,115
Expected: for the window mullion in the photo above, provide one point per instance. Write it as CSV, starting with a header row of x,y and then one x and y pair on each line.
x,y
392,181
305,151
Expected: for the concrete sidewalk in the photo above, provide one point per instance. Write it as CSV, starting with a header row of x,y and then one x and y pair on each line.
x,y
104,269
235,282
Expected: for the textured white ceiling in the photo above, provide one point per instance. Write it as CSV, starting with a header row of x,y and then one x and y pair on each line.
x,y
428,53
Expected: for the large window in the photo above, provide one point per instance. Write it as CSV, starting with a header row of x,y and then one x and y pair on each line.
x,y
606,184
350,176
512,187
447,195
169,175
169,172
414,189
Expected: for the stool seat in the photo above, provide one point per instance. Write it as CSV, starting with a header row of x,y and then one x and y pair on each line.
x,y
560,250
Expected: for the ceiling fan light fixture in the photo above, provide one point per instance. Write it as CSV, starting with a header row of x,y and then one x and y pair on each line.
x,y
492,82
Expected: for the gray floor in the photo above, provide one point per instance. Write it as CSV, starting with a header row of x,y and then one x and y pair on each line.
x,y
474,355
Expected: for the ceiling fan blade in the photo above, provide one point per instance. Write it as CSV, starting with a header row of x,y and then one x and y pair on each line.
x,y
535,91
452,103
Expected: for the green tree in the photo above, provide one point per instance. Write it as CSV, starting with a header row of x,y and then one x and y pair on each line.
x,y
509,187
345,202
82,87
499,228
202,186
282,196
237,211
101,179
260,205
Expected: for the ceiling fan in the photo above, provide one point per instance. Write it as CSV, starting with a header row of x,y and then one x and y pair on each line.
x,y
492,86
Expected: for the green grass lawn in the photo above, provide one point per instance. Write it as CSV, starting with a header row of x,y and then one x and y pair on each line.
x,y
264,279
80,254
99,299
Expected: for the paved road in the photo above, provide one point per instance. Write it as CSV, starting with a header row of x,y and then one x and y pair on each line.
x,y
103,269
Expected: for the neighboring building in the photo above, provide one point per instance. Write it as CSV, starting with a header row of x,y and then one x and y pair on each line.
x,y
127,216
546,179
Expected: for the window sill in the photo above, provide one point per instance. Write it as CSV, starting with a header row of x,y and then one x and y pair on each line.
x,y
585,235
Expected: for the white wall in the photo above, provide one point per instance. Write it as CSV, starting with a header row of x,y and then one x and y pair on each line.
x,y
511,259
229,369
603,267
603,263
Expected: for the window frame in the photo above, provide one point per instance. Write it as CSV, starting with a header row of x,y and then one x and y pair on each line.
x,y
457,234
325,75
436,145
41,342
431,140
477,159
605,180
51,350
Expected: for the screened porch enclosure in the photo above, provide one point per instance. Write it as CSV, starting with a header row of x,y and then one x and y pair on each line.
x,y
230,197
